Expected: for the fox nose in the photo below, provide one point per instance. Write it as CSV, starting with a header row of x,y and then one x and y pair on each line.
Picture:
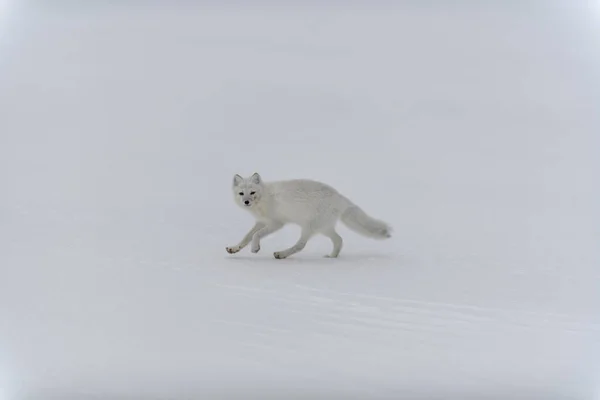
x,y
246,202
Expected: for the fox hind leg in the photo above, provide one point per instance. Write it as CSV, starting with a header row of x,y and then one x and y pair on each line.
x,y
300,244
337,241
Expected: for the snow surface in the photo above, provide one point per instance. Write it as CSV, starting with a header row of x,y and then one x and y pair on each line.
x,y
473,130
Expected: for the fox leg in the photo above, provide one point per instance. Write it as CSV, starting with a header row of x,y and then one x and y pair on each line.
x,y
262,232
246,239
304,236
337,241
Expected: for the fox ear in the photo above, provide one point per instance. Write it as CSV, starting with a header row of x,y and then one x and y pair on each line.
x,y
237,180
255,178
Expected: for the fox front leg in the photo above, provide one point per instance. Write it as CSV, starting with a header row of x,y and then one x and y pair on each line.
x,y
234,249
261,233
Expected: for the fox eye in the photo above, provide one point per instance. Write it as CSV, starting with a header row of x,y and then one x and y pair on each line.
x,y
241,193
251,193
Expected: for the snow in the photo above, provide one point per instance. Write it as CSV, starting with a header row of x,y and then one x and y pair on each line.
x,y
473,130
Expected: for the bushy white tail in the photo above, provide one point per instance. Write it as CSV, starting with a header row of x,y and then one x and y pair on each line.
x,y
357,220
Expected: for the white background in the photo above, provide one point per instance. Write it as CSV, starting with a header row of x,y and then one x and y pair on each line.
x,y
472,129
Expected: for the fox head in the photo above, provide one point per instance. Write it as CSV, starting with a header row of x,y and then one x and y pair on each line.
x,y
247,192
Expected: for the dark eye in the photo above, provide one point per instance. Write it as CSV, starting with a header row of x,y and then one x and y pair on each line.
x,y
241,193
252,193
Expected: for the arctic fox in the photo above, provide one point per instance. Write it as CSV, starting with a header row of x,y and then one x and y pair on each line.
x,y
314,206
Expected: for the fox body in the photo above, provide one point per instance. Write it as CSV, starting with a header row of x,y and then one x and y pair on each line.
x,y
314,206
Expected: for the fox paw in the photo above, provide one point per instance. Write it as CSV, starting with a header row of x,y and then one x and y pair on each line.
x,y
255,249
232,249
279,255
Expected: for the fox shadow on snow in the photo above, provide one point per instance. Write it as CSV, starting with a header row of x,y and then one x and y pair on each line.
x,y
311,258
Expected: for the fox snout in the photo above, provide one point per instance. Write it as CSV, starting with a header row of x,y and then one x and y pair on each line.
x,y
247,201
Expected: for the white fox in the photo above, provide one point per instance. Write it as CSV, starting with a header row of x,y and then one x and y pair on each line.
x,y
314,206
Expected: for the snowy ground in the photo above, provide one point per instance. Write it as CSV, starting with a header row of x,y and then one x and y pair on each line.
x,y
474,131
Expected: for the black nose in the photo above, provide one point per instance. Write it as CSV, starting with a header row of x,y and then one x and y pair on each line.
x,y
246,202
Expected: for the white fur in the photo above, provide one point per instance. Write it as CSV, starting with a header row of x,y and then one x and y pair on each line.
x,y
314,206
